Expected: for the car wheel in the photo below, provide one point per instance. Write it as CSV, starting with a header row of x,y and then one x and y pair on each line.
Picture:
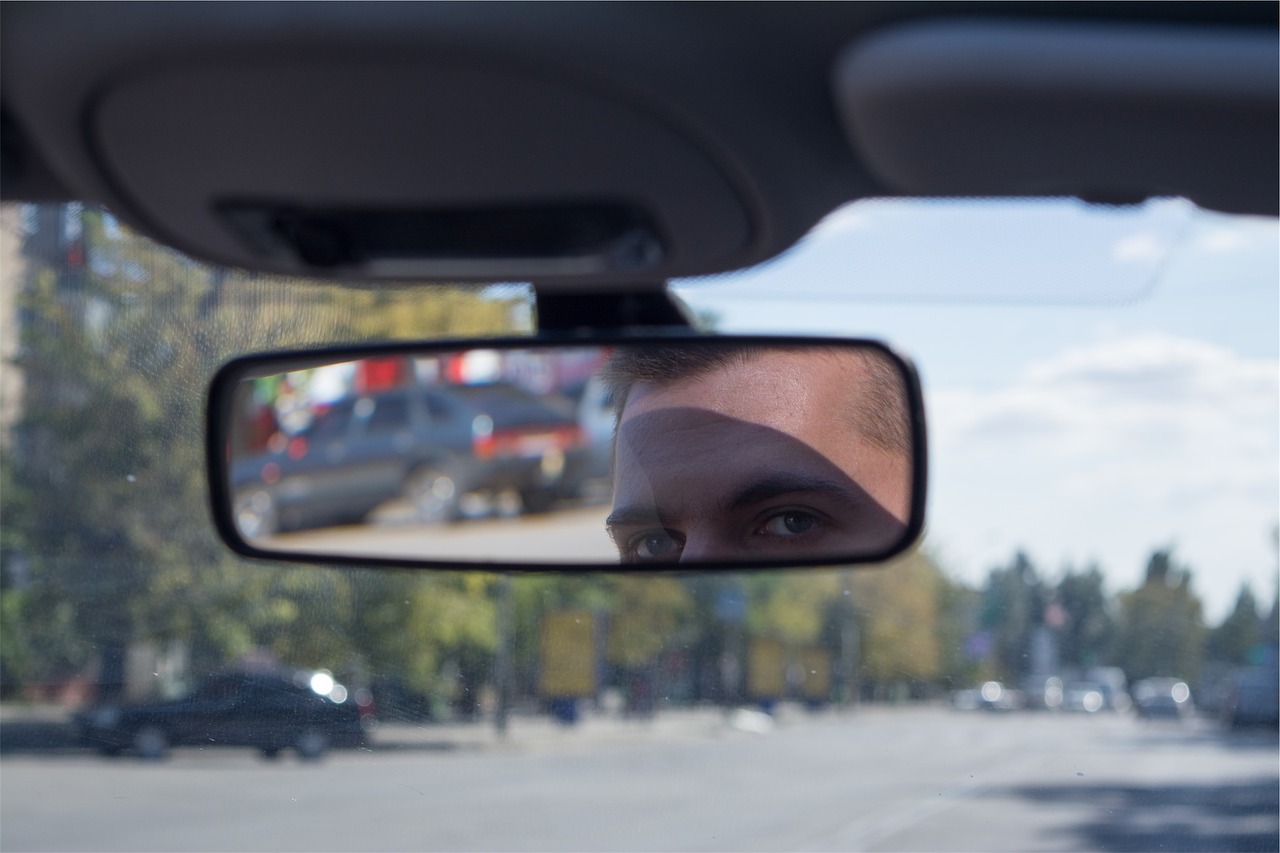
x,y
535,501
311,745
150,743
433,494
255,514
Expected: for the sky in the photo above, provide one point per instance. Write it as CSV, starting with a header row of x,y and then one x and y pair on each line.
x,y
1099,382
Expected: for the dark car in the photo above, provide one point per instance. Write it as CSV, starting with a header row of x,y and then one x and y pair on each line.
x,y
308,712
1163,698
430,446
1253,699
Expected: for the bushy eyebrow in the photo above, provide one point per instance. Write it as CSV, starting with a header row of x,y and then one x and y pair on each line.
x,y
766,489
638,515
785,484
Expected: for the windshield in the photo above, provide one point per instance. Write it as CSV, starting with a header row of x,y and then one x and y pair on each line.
x,y
1081,654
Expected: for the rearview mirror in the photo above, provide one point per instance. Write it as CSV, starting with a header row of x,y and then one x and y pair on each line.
x,y
625,453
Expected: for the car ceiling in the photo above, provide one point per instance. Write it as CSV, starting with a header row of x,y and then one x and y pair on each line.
x,y
608,145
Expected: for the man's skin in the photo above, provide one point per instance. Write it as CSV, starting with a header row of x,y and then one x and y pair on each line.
x,y
759,460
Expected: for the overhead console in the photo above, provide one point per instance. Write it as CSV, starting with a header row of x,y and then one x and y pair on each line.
x,y
411,168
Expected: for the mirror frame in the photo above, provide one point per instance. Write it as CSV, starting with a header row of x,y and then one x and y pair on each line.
x,y
228,377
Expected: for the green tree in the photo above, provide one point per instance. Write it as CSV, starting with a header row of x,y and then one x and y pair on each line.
x,y
647,615
1160,629
119,338
1085,637
958,610
1013,605
1233,642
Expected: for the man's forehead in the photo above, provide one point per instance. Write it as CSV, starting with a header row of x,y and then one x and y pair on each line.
x,y
778,389
686,464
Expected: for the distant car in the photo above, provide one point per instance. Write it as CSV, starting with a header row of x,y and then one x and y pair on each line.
x,y
1084,696
991,696
1253,699
307,711
1163,698
430,446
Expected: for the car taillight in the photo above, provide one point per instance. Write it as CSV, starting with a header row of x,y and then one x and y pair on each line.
x,y
483,443
570,436
298,448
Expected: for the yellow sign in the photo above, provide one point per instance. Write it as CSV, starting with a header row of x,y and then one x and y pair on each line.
x,y
766,670
568,655
817,674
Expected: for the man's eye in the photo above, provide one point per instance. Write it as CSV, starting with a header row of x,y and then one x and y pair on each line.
x,y
791,523
654,546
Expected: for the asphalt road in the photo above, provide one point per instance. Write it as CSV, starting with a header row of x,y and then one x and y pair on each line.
x,y
873,779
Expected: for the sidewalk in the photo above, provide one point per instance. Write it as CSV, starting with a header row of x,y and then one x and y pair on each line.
x,y
526,731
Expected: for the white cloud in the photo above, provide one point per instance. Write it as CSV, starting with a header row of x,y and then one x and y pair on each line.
x,y
1115,390
1112,449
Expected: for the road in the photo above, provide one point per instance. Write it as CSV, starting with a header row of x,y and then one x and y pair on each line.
x,y
570,534
872,779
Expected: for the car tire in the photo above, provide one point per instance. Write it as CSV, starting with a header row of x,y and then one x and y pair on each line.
x,y
537,501
151,743
311,745
433,493
255,514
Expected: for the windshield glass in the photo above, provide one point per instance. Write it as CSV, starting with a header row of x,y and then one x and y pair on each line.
x,y
1080,655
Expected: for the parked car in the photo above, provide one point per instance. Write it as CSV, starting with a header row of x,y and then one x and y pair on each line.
x,y
430,446
1252,699
991,696
1163,698
306,711
1084,696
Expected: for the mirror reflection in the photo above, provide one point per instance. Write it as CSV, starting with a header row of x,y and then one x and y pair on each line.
x,y
682,452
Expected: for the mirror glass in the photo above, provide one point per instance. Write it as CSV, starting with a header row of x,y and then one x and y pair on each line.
x,y
670,452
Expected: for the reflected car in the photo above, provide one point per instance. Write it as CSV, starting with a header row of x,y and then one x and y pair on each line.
x,y
591,474
308,712
1163,698
434,448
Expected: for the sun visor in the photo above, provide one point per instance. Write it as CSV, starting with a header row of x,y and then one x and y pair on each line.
x,y
412,168
1113,112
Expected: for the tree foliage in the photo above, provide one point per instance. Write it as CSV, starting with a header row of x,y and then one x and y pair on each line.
x,y
1161,629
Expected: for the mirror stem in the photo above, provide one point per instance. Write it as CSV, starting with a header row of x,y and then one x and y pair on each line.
x,y
650,307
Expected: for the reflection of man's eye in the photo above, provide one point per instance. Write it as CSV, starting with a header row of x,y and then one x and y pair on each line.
x,y
790,523
653,546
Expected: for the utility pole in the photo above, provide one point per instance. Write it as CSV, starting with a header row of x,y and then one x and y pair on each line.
x,y
848,640
502,664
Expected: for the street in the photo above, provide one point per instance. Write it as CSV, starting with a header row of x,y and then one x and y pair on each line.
x,y
874,778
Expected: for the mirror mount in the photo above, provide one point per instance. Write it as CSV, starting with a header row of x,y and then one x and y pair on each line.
x,y
578,312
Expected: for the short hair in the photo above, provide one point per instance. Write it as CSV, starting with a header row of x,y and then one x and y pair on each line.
x,y
881,413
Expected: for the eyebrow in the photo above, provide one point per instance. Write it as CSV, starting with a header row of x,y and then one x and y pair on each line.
x,y
762,490
785,484
633,515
